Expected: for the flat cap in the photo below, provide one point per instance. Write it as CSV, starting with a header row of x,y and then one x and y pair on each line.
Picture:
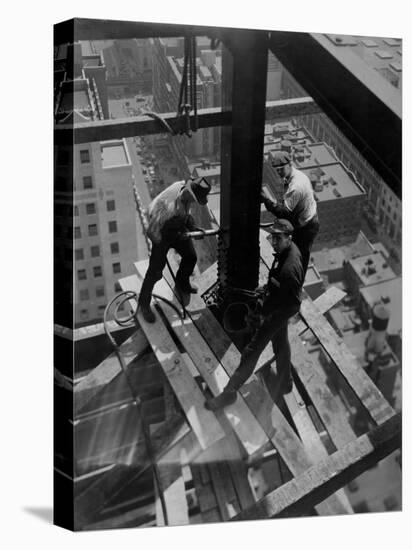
x,y
281,226
280,158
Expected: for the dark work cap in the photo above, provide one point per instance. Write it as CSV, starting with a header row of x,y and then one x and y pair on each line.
x,y
280,158
281,226
200,188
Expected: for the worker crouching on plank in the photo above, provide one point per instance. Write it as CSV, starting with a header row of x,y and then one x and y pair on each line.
x,y
281,298
299,204
169,221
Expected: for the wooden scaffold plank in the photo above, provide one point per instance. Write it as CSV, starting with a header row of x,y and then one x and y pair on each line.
x,y
255,394
239,416
369,395
202,421
299,495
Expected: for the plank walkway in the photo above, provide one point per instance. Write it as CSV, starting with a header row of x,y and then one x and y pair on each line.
x,y
202,421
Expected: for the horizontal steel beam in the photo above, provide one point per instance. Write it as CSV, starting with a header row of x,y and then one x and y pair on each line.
x,y
362,104
102,29
298,496
144,125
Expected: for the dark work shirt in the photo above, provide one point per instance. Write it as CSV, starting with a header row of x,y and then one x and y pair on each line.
x,y
286,277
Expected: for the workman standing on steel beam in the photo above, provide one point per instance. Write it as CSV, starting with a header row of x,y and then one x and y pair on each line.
x,y
299,204
169,221
280,300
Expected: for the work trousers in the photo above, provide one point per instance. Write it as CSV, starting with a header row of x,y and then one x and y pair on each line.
x,y
303,237
157,262
274,328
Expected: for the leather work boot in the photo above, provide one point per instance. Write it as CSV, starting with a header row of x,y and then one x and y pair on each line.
x,y
147,313
226,398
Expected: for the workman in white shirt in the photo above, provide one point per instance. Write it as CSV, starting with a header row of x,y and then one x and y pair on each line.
x,y
299,204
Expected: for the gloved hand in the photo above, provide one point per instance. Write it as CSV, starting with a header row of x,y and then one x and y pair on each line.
x,y
266,198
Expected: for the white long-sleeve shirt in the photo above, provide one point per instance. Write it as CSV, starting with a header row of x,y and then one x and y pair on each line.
x,y
169,208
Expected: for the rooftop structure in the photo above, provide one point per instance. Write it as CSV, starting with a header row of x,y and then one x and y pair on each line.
x,y
371,269
388,292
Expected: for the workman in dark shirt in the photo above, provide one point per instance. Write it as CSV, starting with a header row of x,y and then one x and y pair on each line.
x,y
299,204
280,300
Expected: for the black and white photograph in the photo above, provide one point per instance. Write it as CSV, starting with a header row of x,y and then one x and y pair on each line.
x,y
226,279
228,234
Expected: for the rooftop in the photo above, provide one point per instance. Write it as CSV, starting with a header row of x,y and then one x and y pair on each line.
x,y
332,258
391,289
372,268
312,276
114,154
335,181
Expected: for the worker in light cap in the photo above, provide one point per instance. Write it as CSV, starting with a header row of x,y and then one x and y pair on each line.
x,y
169,221
299,204
281,298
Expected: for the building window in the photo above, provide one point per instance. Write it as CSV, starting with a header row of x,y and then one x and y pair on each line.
x,y
116,267
117,287
76,210
113,227
79,255
84,314
77,232
114,248
100,291
81,274
110,205
92,230
101,309
95,251
84,156
84,294
87,182
97,271
90,208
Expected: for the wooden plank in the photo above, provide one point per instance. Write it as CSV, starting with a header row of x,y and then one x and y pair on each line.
x,y
324,303
313,443
221,497
239,416
299,495
255,394
327,405
207,278
202,421
107,371
369,395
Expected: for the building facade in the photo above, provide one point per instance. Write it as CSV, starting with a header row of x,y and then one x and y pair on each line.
x,y
95,218
383,55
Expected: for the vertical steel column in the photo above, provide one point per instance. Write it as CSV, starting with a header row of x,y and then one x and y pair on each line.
x,y
244,76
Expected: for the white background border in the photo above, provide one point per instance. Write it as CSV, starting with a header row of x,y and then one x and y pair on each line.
x,y
26,285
